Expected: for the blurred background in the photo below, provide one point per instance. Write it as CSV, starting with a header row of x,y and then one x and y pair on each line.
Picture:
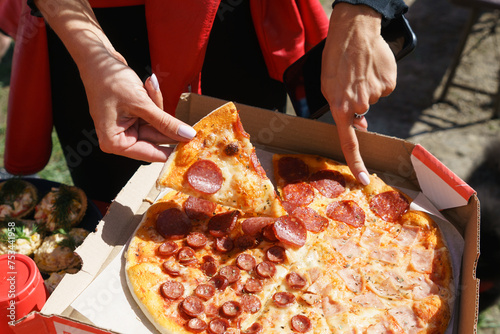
x,y
462,128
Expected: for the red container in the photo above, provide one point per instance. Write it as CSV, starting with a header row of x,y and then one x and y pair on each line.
x,y
22,289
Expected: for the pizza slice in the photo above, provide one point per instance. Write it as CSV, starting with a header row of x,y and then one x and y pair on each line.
x,y
220,165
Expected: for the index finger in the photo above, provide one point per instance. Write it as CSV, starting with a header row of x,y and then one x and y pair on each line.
x,y
350,148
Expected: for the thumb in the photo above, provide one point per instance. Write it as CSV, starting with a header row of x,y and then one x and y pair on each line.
x,y
172,127
167,124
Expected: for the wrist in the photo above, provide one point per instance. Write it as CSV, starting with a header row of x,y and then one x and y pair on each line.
x,y
355,16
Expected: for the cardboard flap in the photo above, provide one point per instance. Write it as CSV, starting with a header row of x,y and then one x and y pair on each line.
x,y
443,187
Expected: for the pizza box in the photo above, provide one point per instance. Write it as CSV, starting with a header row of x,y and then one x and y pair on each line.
x,y
85,302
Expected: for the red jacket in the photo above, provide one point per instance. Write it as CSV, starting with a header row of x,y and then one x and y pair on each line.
x,y
285,29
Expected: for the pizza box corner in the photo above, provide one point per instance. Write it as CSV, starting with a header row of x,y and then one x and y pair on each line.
x,y
398,162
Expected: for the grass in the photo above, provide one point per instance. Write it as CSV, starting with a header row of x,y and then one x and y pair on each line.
x,y
56,169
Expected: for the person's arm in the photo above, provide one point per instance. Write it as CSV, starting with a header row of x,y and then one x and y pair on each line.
x,y
127,121
358,68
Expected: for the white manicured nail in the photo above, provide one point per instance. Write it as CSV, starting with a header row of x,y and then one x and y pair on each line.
x,y
363,177
186,131
154,81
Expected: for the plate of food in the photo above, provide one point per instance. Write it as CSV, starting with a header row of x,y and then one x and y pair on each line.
x,y
45,220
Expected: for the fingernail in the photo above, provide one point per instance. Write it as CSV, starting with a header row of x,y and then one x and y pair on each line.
x,y
363,177
186,131
154,81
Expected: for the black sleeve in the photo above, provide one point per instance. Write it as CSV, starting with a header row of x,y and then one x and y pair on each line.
x,y
34,9
388,8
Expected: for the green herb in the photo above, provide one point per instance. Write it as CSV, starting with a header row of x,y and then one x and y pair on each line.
x,y
62,205
11,190
19,233
68,240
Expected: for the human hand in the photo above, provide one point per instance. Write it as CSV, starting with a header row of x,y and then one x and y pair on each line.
x,y
358,68
128,114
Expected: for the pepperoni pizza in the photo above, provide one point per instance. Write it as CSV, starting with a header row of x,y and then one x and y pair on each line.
x,y
344,258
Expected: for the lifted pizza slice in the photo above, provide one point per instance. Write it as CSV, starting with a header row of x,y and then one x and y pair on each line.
x,y
220,165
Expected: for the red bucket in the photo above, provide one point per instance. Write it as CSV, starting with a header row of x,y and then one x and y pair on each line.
x,y
22,289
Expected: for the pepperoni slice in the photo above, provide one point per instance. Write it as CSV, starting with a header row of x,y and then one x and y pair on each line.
x,y
209,258
295,281
211,310
389,205
265,269
284,299
268,233
253,285
250,303
245,261
348,212
173,223
290,231
329,183
220,282
313,221
257,166
299,194
301,323
196,239
288,206
239,128
224,244
172,289
223,223
231,309
292,169
245,242
205,291
232,273
172,268
192,306
198,208
253,226
238,288
186,255
276,254
196,325
218,326
205,176
209,268
256,328
168,248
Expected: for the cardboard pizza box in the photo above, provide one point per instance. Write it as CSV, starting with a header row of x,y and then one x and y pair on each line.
x,y
82,302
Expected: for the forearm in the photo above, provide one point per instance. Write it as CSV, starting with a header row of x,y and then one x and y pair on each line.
x,y
77,27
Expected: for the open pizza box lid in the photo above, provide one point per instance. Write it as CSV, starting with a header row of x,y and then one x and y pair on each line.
x,y
81,303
